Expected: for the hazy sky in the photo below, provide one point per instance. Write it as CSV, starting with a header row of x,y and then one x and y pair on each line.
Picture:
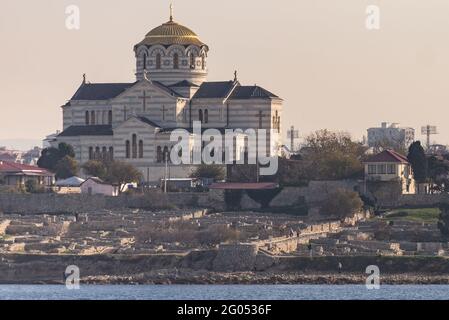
x,y
316,54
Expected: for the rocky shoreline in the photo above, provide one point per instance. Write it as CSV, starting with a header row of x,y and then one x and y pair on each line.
x,y
184,277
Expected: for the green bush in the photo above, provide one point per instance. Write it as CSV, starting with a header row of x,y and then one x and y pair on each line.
x,y
341,204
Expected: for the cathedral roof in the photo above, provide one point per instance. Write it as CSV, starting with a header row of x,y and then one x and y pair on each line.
x,y
106,91
252,92
148,121
171,33
211,90
214,90
98,130
100,91
184,84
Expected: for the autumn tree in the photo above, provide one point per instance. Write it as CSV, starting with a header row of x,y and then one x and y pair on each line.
x,y
212,171
96,168
341,203
121,173
333,156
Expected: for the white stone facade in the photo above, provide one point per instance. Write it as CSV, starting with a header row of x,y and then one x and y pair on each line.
x,y
132,122
390,135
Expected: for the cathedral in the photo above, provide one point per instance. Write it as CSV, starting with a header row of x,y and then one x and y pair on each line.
x,y
132,122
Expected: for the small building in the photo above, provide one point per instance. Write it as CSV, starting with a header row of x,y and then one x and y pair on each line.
x,y
390,166
16,174
180,184
70,185
95,185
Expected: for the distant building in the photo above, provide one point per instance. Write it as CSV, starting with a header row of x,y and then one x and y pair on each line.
x,y
51,138
31,156
97,186
390,136
390,166
16,174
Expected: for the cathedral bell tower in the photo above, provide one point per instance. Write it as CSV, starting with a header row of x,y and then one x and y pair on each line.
x,y
172,53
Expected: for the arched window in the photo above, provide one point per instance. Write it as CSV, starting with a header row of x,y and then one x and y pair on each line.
x,y
128,150
97,153
111,153
134,146
192,61
200,116
159,154
175,61
110,117
140,149
144,61
203,62
91,153
87,118
104,153
206,116
92,118
158,61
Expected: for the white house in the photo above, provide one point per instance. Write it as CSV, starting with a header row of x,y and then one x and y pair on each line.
x,y
95,185
389,166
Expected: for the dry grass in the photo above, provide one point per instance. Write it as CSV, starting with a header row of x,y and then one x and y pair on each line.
x,y
187,233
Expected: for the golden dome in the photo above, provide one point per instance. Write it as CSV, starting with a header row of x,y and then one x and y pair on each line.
x,y
171,33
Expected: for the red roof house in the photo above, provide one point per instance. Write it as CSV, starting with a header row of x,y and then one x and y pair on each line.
x,y
390,166
16,174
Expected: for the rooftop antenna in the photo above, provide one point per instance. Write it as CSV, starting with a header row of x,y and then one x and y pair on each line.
x,y
428,130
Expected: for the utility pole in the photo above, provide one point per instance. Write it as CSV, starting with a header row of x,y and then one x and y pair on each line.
x,y
428,130
292,134
166,172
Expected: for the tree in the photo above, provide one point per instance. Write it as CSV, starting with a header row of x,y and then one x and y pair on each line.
x,y
290,173
390,143
51,156
212,171
333,156
66,167
341,203
437,173
96,168
417,158
121,173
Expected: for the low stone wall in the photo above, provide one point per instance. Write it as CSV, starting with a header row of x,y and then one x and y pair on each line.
x,y
315,192
417,200
78,203
236,257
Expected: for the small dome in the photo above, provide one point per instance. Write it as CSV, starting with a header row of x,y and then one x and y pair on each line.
x,y
171,33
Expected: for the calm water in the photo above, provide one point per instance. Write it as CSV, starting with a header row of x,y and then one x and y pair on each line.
x,y
234,292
